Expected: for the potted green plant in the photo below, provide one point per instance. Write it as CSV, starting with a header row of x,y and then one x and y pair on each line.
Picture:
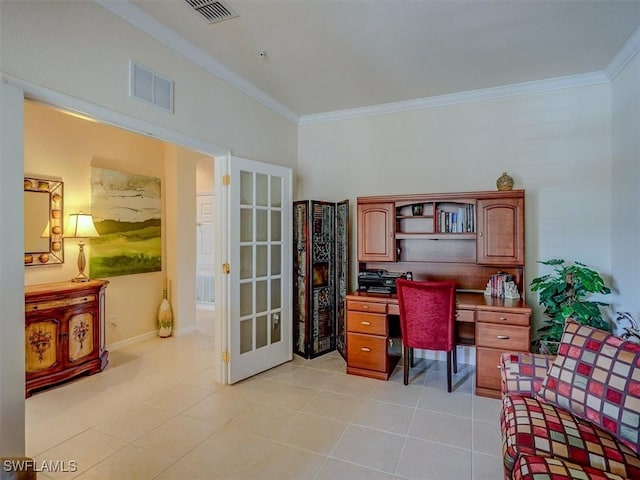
x,y
564,294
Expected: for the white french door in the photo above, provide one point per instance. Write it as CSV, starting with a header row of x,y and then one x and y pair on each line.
x,y
258,316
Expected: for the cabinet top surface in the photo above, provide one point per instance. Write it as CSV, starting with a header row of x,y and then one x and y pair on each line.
x,y
63,287
426,197
464,301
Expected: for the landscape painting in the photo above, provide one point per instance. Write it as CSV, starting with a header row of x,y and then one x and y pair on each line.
x,y
126,210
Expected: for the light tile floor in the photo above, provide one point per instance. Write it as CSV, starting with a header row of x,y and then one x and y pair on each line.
x,y
156,413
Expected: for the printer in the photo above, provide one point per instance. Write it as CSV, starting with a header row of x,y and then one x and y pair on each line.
x,y
380,281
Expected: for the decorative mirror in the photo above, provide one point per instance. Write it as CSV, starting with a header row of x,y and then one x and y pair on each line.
x,y
42,222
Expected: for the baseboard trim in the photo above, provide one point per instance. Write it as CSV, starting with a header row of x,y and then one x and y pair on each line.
x,y
147,336
131,341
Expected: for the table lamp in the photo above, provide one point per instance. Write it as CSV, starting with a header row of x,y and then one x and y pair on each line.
x,y
80,225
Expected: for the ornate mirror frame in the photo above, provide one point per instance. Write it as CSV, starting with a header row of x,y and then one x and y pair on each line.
x,y
43,200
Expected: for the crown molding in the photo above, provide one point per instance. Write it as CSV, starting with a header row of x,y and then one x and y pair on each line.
x,y
148,24
457,98
629,50
126,10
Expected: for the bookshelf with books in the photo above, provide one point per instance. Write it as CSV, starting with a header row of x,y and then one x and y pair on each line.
x,y
426,233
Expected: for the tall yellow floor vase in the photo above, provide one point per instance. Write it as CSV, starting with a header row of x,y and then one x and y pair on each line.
x,y
165,316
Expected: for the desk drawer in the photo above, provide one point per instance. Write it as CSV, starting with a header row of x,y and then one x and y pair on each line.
x,y
372,307
503,318
367,351
465,315
371,323
506,337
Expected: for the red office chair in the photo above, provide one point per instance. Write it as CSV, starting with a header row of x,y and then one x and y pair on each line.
x,y
427,320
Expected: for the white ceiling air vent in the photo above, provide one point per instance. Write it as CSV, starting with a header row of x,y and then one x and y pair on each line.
x,y
213,11
150,87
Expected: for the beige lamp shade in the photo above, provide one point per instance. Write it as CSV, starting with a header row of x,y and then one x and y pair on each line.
x,y
80,225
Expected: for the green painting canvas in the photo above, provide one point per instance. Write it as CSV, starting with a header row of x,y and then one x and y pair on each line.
x,y
126,210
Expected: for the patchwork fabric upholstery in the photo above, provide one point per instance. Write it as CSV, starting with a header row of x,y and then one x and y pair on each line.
x,y
522,373
596,376
531,467
531,427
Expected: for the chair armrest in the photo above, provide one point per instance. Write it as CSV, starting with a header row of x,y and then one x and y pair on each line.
x,y
522,373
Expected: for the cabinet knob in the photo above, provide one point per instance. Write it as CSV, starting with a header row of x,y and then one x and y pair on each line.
x,y
502,337
365,349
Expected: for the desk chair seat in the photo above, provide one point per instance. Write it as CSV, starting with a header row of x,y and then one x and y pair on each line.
x,y
427,320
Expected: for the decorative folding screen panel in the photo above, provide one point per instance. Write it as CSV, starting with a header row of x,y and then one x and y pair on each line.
x,y
321,276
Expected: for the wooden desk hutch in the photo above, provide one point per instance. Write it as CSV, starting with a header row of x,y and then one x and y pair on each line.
x,y
463,237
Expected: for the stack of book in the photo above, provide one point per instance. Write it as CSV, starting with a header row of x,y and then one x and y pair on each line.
x,y
461,221
501,285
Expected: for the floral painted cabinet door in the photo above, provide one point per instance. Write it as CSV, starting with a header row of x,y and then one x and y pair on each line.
x,y
80,335
41,351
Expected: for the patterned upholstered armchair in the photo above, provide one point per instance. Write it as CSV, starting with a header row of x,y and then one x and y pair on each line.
x,y
575,416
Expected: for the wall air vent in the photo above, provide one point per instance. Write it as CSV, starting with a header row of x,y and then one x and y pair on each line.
x,y
213,11
150,87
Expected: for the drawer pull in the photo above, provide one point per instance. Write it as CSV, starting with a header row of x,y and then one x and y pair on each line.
x,y
503,318
365,307
502,337
365,323
365,349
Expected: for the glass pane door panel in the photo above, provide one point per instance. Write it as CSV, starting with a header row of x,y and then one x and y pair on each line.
x,y
246,225
276,192
276,327
262,229
246,299
261,261
261,296
276,226
276,264
262,186
246,188
262,324
246,262
246,335
275,294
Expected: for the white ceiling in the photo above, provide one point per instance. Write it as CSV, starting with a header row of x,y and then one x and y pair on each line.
x,y
334,55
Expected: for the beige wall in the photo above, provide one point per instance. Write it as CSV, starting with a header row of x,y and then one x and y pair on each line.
x,y
205,174
625,211
61,145
556,145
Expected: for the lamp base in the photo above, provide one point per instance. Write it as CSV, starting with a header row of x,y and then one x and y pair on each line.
x,y
81,277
